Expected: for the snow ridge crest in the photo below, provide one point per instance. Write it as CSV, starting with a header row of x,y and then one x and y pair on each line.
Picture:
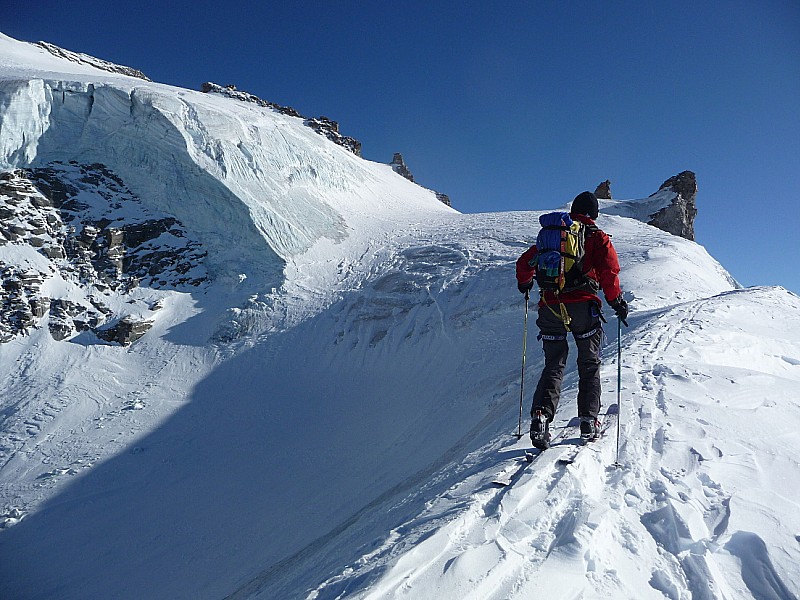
x,y
86,59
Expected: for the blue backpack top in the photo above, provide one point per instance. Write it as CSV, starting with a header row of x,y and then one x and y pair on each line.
x,y
560,248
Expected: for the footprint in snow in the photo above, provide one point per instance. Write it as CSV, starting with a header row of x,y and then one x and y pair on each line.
x,y
57,473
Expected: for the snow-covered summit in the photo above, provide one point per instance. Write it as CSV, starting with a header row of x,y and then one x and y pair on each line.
x,y
26,60
276,186
325,393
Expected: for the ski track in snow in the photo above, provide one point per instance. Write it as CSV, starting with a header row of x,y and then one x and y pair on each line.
x,y
64,419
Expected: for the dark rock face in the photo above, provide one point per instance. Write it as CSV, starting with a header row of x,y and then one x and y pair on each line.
x,y
322,125
443,198
399,166
330,129
125,332
678,217
20,302
85,59
95,233
85,214
603,191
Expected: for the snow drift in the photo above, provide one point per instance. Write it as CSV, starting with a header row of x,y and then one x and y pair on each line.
x,y
324,416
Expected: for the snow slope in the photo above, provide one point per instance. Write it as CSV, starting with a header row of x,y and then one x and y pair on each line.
x,y
642,209
277,187
324,418
704,506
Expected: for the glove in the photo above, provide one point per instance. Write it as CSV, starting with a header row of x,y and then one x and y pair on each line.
x,y
524,288
620,307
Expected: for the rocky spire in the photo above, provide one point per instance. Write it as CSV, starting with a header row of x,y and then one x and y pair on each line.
x,y
399,166
678,217
603,191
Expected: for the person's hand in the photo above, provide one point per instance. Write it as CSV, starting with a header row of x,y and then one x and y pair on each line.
x,y
524,288
620,307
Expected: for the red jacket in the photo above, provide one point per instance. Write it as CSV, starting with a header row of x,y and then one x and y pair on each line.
x,y
600,263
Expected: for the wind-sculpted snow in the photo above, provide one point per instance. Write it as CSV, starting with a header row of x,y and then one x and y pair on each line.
x,y
92,61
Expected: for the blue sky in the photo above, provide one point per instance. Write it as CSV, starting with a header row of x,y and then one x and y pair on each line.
x,y
512,105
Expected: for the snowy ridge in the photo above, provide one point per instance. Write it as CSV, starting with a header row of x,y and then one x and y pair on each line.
x,y
98,63
640,209
323,418
693,512
278,186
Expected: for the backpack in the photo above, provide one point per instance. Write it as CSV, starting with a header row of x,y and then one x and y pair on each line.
x,y
560,248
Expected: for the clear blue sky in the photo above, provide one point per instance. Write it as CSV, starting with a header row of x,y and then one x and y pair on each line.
x,y
508,105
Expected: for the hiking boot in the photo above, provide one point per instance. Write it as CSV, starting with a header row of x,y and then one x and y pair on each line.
x,y
540,431
590,428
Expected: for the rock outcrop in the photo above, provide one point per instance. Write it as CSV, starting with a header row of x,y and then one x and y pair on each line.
x,y
678,217
126,331
603,191
20,302
92,234
399,166
443,198
330,129
322,125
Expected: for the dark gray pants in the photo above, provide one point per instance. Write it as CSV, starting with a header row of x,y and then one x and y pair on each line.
x,y
588,333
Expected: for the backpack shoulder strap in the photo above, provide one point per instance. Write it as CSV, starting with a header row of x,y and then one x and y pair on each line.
x,y
590,230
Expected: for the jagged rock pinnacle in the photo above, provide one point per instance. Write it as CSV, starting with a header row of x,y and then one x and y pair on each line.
x,y
603,191
399,166
678,217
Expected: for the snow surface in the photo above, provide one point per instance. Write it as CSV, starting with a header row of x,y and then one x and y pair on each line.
x,y
641,209
325,418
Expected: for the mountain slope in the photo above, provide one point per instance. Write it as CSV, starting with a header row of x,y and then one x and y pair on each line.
x,y
302,448
277,186
322,414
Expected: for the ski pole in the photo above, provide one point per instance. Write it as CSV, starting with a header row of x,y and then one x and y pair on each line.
x,y
619,383
522,379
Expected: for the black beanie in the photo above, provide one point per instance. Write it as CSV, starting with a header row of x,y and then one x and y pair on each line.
x,y
585,203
